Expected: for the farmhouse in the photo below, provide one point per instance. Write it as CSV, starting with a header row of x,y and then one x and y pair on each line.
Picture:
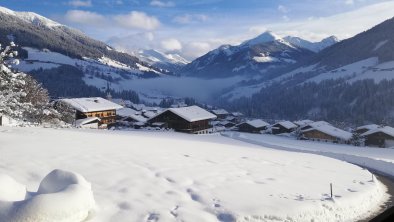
x,y
363,129
93,107
379,137
253,126
283,127
191,119
326,133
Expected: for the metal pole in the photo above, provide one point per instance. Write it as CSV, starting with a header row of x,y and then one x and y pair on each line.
x,y
331,189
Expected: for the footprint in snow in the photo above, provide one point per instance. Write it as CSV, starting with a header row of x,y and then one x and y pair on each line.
x,y
351,190
153,217
124,206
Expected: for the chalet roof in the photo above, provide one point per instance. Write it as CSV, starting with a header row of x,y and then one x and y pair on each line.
x,y
220,112
92,104
237,114
332,131
286,124
257,123
124,112
386,130
149,114
81,122
303,122
191,113
368,127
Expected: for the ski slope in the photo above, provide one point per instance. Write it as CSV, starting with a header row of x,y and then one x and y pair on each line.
x,y
166,176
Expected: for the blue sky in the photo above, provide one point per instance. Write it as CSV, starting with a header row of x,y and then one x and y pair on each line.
x,y
192,28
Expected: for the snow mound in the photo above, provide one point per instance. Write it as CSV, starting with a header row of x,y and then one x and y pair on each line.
x,y
15,190
62,196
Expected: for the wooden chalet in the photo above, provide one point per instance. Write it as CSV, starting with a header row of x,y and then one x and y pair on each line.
x,y
253,126
84,108
191,119
326,133
380,137
283,127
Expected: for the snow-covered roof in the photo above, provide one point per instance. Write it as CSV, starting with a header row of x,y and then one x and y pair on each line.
x,y
386,130
191,113
368,127
287,124
220,112
257,123
125,112
237,114
92,104
138,118
81,122
149,114
332,131
303,122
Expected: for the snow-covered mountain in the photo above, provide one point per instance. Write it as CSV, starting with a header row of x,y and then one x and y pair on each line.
x,y
267,53
171,62
45,45
342,82
313,46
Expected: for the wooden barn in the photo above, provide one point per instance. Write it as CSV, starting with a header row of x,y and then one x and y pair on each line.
x,y
326,133
253,126
380,137
84,108
191,119
283,127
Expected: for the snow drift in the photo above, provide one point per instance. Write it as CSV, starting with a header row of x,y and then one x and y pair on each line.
x,y
62,196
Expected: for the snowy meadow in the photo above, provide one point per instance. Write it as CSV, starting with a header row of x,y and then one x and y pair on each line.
x,y
166,176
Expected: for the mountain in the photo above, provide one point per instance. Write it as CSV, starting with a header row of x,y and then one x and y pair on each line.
x,y
267,53
44,44
352,81
171,62
313,46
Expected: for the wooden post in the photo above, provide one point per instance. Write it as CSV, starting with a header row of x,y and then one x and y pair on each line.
x,y
372,177
331,189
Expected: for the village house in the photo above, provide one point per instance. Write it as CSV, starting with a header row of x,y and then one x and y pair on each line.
x,y
191,119
221,113
380,137
93,107
326,133
283,127
253,126
362,129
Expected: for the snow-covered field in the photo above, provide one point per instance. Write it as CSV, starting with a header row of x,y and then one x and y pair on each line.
x,y
381,160
166,176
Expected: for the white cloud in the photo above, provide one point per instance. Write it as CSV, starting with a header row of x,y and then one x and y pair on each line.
x,y
196,49
189,18
283,9
85,17
349,2
138,20
162,4
80,3
133,42
171,44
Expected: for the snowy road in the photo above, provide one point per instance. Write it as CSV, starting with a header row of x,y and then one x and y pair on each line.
x,y
164,176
